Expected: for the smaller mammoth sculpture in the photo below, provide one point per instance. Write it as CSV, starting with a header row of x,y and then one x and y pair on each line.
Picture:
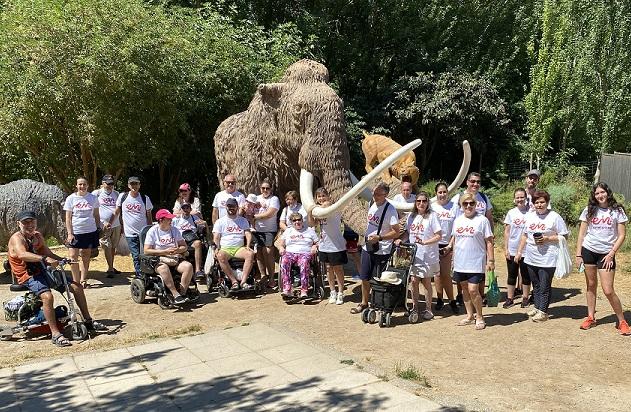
x,y
377,148
44,199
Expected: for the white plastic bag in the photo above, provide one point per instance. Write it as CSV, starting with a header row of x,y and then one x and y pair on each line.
x,y
122,249
564,260
210,260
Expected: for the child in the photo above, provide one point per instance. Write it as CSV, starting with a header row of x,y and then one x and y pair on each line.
x,y
250,208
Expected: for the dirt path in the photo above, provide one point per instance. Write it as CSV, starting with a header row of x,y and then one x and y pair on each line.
x,y
514,364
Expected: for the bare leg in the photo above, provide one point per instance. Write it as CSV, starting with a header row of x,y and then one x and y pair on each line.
x,y
165,273
109,257
338,271
248,261
476,299
79,297
415,294
591,278
49,312
365,292
186,269
270,265
197,245
73,254
223,258
85,263
467,299
330,276
427,285
606,282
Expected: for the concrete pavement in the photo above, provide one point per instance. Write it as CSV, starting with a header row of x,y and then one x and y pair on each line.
x,y
252,367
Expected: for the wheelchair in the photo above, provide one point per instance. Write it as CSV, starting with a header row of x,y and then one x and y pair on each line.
x,y
317,271
218,281
150,284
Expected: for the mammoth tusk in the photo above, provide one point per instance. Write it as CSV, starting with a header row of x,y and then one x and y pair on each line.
x,y
365,194
402,206
462,173
306,184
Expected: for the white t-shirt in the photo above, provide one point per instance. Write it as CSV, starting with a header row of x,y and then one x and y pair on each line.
x,y
544,255
390,219
219,201
602,229
515,219
299,241
185,224
400,199
481,204
82,208
134,213
331,237
271,223
423,228
196,206
107,205
446,215
470,243
288,211
232,231
160,239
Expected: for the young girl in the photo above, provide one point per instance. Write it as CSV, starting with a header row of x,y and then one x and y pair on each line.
x,y
423,228
446,211
601,234
513,227
332,247
250,208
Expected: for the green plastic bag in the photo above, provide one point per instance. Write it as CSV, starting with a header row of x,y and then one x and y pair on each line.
x,y
493,291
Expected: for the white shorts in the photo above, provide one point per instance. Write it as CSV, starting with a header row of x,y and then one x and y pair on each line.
x,y
424,271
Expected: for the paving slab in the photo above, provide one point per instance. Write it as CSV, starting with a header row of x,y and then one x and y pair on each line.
x,y
254,368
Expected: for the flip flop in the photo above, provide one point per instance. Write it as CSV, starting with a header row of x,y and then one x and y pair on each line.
x,y
465,322
358,309
61,341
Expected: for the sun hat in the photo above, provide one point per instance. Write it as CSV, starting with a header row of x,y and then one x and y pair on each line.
x,y
389,277
163,213
185,186
251,198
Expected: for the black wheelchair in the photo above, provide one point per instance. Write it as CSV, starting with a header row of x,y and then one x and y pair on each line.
x,y
218,281
150,284
316,280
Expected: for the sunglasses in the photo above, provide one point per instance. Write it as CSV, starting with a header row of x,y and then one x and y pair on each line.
x,y
265,188
475,182
468,203
421,201
296,220
230,182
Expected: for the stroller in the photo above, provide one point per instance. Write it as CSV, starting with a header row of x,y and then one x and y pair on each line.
x,y
28,313
385,297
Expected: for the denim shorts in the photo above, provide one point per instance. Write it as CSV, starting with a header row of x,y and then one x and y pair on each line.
x,y
38,284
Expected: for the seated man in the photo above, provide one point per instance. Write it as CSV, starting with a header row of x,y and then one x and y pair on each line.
x,y
28,257
228,233
196,226
166,241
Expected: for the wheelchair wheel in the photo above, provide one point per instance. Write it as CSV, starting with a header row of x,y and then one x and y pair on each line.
x,y
364,315
372,316
77,332
382,320
388,319
413,317
321,292
138,290
224,292
164,302
209,282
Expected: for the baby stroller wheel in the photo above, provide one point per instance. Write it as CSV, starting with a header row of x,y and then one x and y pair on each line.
x,y
372,316
138,290
164,302
224,292
364,315
382,320
78,331
413,317
388,318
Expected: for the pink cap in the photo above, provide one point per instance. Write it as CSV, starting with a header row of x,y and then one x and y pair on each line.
x,y
163,213
185,186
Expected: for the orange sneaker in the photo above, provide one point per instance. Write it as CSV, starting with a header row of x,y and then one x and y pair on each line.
x,y
623,328
588,323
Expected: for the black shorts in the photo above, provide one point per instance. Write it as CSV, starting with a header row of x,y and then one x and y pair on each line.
x,y
333,258
593,258
85,241
264,238
476,278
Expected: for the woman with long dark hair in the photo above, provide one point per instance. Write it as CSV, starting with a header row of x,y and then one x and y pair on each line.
x,y
513,227
266,226
186,194
446,211
601,234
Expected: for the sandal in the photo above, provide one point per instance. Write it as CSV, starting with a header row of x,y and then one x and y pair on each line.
x,y
465,322
235,286
480,324
358,309
84,284
61,341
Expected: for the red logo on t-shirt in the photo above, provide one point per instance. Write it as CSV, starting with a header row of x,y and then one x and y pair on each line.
x,y
374,219
418,227
444,215
537,226
465,230
133,207
607,220
83,205
233,229
519,222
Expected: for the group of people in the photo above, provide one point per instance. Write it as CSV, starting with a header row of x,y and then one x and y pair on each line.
x,y
453,237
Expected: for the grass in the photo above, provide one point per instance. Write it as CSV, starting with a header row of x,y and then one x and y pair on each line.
x,y
411,373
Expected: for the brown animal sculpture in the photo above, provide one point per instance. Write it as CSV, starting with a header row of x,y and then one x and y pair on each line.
x,y
377,148
293,132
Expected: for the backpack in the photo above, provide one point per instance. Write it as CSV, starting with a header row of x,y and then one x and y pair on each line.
x,y
142,197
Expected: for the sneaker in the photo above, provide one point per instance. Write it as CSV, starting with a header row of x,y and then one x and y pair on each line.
x,y
532,312
508,304
525,302
333,297
427,315
303,295
340,299
439,304
199,274
623,328
540,317
179,300
93,325
588,323
454,307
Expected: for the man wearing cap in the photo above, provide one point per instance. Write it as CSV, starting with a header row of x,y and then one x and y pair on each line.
x,y
135,209
189,222
230,192
166,241
28,257
532,180
111,233
228,234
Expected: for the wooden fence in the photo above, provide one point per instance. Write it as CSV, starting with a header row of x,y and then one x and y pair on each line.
x,y
615,170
